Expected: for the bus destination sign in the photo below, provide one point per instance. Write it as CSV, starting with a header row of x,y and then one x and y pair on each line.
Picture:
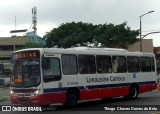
x,y
26,55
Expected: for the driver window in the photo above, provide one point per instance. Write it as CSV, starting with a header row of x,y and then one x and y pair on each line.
x,y
51,71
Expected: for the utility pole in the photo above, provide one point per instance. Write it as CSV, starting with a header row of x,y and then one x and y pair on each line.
x,y
141,29
34,19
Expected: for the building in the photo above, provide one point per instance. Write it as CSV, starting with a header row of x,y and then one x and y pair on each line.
x,y
10,44
147,46
35,39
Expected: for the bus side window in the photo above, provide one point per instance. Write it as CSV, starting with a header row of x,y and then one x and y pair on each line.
x,y
43,63
153,65
69,64
103,64
46,63
86,64
133,64
119,64
145,63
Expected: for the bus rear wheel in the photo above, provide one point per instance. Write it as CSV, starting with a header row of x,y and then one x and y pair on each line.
x,y
72,99
133,93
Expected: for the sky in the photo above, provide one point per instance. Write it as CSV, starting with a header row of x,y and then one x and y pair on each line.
x,y
17,14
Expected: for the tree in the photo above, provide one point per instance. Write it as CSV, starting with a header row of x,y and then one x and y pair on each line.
x,y
70,34
86,34
116,36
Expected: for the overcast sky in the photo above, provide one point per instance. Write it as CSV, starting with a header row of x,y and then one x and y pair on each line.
x,y
52,13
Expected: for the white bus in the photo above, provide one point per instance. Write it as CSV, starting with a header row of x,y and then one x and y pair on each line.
x,y
44,76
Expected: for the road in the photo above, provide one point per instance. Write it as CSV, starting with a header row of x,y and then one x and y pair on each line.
x,y
4,96
149,99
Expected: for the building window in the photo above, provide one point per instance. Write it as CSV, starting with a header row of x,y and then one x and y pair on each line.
x,y
6,47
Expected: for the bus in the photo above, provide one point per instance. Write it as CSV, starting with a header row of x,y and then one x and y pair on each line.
x,y
45,76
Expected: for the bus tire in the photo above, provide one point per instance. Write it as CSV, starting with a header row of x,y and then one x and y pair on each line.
x,y
133,92
71,99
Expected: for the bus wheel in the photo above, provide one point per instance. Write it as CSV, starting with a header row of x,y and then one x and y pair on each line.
x,y
72,98
133,92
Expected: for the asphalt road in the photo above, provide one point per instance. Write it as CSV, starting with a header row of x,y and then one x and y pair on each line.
x,y
4,96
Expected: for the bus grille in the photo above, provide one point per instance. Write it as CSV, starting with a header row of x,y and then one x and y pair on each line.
x,y
23,99
24,90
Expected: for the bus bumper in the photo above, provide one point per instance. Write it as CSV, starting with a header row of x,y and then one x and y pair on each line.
x,y
43,99
27,100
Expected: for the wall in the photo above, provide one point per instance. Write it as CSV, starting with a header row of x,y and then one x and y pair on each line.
x,y
147,46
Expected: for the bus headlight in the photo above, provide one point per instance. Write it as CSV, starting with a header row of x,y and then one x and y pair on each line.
x,y
37,92
11,93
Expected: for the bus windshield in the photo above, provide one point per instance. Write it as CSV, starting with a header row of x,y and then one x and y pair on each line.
x,y
25,70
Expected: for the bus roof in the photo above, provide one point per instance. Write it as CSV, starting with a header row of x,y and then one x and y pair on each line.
x,y
89,50
99,51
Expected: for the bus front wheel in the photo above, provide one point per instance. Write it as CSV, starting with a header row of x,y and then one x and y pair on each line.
x,y
71,99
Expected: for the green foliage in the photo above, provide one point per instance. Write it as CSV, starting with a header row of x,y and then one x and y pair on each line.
x,y
86,34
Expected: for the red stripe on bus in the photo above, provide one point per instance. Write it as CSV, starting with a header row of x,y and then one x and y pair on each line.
x,y
145,88
104,93
52,98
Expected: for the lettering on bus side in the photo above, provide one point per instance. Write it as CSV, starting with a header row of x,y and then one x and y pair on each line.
x,y
105,79
72,83
117,79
